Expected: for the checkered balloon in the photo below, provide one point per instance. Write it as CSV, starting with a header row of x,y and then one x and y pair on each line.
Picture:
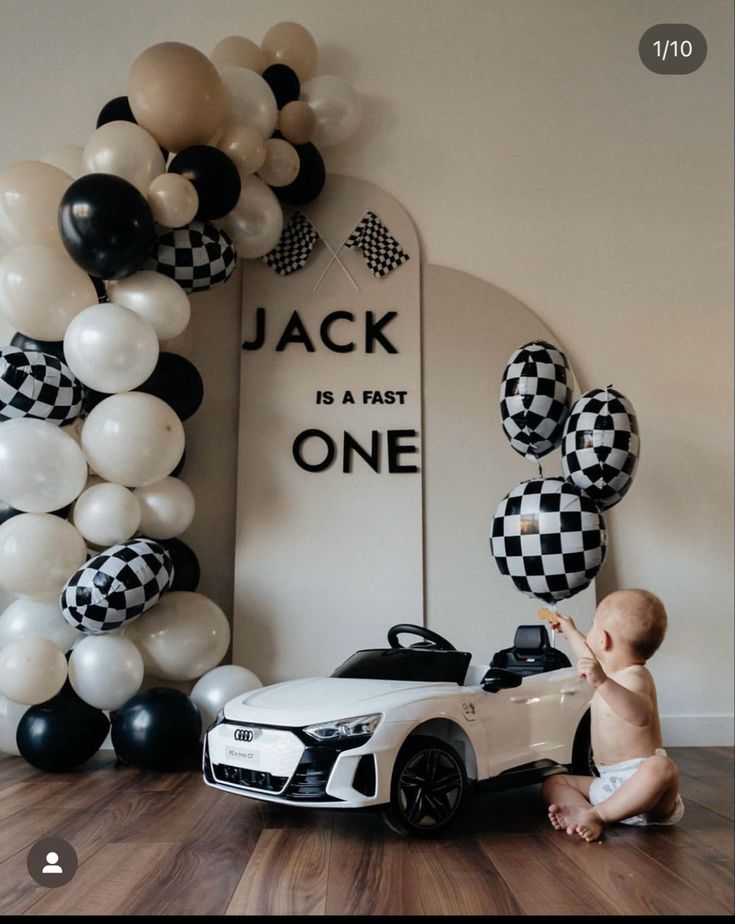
x,y
117,585
601,446
535,398
549,538
38,385
197,256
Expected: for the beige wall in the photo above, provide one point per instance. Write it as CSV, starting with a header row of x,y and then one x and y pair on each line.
x,y
533,150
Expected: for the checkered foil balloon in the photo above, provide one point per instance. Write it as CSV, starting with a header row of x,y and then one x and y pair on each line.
x,y
601,446
38,385
535,398
117,585
549,538
197,256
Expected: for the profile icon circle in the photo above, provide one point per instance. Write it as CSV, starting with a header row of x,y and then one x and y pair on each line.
x,y
52,862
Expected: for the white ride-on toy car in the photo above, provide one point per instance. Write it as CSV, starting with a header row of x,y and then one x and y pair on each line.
x,y
411,731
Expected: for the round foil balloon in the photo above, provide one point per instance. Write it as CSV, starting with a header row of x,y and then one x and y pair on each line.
x,y
601,445
38,385
198,256
535,398
116,586
549,538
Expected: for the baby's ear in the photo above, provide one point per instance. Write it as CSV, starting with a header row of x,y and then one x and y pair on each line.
x,y
606,640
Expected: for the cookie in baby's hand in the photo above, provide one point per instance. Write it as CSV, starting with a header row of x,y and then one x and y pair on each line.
x,y
548,615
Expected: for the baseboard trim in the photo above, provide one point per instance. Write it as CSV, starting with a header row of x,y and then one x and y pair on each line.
x,y
698,730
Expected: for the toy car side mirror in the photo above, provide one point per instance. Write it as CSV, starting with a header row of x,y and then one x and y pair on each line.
x,y
498,679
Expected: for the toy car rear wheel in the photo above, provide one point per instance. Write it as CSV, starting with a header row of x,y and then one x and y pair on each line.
x,y
429,788
583,763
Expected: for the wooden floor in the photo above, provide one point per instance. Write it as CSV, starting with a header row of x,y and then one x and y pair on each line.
x,y
167,844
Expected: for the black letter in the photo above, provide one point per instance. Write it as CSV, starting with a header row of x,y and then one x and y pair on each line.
x,y
324,331
318,466
394,450
372,332
259,332
295,332
351,445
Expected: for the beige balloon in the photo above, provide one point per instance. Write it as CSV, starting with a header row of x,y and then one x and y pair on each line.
x,y
281,164
160,300
39,552
30,193
236,51
176,94
291,44
41,290
126,150
297,122
173,200
32,670
244,145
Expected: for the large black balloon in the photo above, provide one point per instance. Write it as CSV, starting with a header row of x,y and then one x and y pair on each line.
x,y
61,733
158,729
214,176
186,565
54,347
310,179
283,82
106,226
177,382
118,110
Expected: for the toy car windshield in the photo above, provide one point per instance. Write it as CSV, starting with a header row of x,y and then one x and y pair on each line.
x,y
415,664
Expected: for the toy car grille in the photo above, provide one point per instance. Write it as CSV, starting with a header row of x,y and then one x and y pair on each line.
x,y
253,779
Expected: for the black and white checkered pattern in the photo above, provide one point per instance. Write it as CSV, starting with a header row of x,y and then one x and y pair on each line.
x,y
549,538
197,256
117,585
601,445
38,385
535,398
381,250
293,250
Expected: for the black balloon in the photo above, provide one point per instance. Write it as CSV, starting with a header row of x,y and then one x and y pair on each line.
x,y
91,399
99,288
118,110
284,83
158,729
54,347
61,733
186,565
214,176
106,226
177,382
310,180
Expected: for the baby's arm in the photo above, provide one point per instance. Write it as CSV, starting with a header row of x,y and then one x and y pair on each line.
x,y
631,701
577,642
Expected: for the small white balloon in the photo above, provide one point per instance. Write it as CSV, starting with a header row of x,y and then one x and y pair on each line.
x,y
67,157
166,508
336,106
126,150
256,222
173,200
37,617
155,297
111,348
105,670
249,99
133,439
10,715
32,670
41,467
38,554
106,514
30,193
218,687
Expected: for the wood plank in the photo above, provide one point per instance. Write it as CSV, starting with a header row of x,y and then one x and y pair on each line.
x,y
24,828
717,796
711,830
704,761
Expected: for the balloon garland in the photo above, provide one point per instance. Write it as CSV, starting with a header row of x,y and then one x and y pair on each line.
x,y
189,170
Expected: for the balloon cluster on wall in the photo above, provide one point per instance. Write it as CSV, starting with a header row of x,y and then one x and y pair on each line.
x,y
187,171
548,535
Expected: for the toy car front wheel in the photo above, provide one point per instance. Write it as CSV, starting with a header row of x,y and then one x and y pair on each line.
x,y
428,790
583,763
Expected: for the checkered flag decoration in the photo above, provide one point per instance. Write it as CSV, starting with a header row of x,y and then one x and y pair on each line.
x,y
117,585
294,248
549,538
535,398
197,256
38,385
381,250
601,446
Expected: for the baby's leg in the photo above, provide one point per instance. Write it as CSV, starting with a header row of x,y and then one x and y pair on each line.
x,y
568,799
652,791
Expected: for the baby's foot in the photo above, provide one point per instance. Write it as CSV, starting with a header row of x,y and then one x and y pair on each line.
x,y
576,819
556,818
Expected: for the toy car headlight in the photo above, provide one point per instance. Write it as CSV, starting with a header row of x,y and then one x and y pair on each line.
x,y
360,726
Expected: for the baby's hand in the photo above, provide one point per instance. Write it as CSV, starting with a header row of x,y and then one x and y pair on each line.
x,y
591,670
561,623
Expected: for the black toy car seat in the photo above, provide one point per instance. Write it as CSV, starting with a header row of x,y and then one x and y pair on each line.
x,y
532,653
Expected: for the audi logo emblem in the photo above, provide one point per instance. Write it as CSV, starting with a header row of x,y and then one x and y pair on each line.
x,y
244,734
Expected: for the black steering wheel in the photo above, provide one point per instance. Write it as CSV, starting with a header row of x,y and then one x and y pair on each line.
x,y
436,641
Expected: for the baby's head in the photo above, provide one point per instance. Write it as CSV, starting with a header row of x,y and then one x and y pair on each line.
x,y
633,621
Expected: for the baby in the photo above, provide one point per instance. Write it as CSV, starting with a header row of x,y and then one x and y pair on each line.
x,y
638,783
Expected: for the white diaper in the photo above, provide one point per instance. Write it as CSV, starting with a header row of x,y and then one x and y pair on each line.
x,y
612,777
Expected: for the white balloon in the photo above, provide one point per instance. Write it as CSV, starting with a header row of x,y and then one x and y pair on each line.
x,y
155,297
173,200
32,670
126,150
111,348
166,508
30,193
256,222
218,687
133,439
336,106
41,467
182,637
106,514
38,554
67,157
10,715
37,617
105,670
249,99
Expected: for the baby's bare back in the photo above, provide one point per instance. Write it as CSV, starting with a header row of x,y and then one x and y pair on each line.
x,y
613,739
